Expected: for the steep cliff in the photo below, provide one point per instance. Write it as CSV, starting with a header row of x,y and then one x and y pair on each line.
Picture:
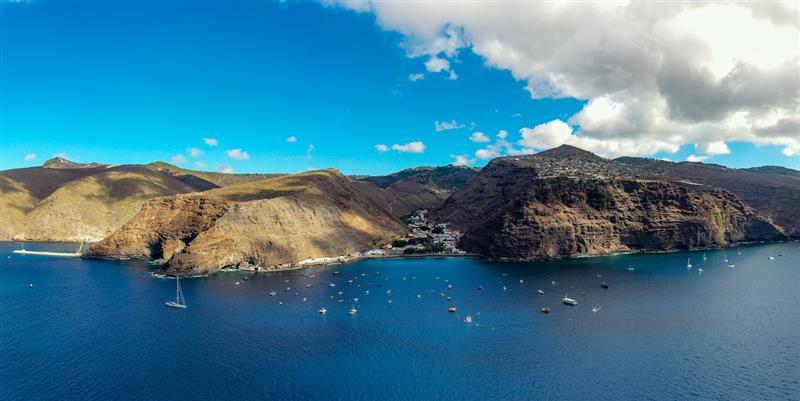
x,y
773,191
533,207
272,222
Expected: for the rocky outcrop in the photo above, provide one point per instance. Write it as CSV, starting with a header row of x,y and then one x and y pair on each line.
x,y
511,211
271,223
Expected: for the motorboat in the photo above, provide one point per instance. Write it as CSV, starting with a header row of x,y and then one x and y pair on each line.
x,y
545,310
569,301
604,285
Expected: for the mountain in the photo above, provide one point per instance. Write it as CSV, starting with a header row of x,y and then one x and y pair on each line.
x,y
568,203
66,201
422,187
218,179
273,222
22,189
773,191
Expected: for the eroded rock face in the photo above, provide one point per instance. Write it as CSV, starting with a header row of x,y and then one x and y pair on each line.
x,y
510,211
276,222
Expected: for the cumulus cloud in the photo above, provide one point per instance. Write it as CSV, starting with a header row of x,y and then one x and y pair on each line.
x,y
179,159
194,152
211,141
311,148
462,160
381,148
447,125
713,148
411,147
479,137
291,139
238,154
30,157
225,168
500,147
416,77
655,76
697,158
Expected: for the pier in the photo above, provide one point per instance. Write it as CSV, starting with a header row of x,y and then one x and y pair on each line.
x,y
75,254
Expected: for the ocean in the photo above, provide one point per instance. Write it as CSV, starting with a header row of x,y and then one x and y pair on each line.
x,y
99,330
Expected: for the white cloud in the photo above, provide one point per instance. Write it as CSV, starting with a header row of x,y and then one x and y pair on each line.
x,y
461,160
381,148
30,157
201,164
238,154
411,147
697,158
211,141
453,76
713,148
502,134
291,139
436,64
489,153
416,77
656,76
547,135
179,159
194,152
225,168
309,150
447,125
62,155
479,137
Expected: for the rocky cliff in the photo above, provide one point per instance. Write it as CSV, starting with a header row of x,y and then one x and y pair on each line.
x,y
274,222
520,208
773,191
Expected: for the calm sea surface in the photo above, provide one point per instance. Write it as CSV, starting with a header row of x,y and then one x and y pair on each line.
x,y
95,330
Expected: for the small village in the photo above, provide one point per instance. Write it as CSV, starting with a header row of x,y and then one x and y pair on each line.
x,y
424,238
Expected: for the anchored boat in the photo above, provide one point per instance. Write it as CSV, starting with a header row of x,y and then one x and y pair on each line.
x,y
179,301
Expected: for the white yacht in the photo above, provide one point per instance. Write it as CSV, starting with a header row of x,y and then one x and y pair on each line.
x,y
352,311
179,302
569,301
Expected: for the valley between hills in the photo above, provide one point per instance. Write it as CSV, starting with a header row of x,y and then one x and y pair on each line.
x,y
562,202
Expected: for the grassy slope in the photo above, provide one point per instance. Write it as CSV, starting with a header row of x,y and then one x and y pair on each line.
x,y
219,179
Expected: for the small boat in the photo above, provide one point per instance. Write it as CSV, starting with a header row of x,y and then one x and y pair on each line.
x,y
468,319
596,308
419,296
771,258
304,299
545,310
704,256
273,293
731,265
179,302
569,301
323,311
604,285
688,263
336,272
504,275
630,269
287,289
451,309
700,270
449,286
237,283
389,291
521,281
30,285
540,292
598,275
352,311
504,288
331,285
480,287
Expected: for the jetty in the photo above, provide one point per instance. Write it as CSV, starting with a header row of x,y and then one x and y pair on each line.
x,y
76,254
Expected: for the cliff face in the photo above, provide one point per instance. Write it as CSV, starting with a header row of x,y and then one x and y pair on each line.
x,y
773,191
273,222
515,210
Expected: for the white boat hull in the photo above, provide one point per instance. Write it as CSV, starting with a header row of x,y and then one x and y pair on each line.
x,y
173,304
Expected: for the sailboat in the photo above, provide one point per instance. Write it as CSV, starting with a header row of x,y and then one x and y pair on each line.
x,y
688,263
704,257
179,301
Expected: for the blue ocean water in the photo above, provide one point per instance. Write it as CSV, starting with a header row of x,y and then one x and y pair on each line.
x,y
97,330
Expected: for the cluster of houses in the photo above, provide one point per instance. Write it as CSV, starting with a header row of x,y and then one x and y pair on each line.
x,y
424,238
577,168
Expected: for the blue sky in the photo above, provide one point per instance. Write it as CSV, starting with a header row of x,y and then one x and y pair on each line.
x,y
135,82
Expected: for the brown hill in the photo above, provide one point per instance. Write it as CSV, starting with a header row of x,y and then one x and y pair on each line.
x,y
773,191
422,187
519,208
218,179
91,207
270,223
